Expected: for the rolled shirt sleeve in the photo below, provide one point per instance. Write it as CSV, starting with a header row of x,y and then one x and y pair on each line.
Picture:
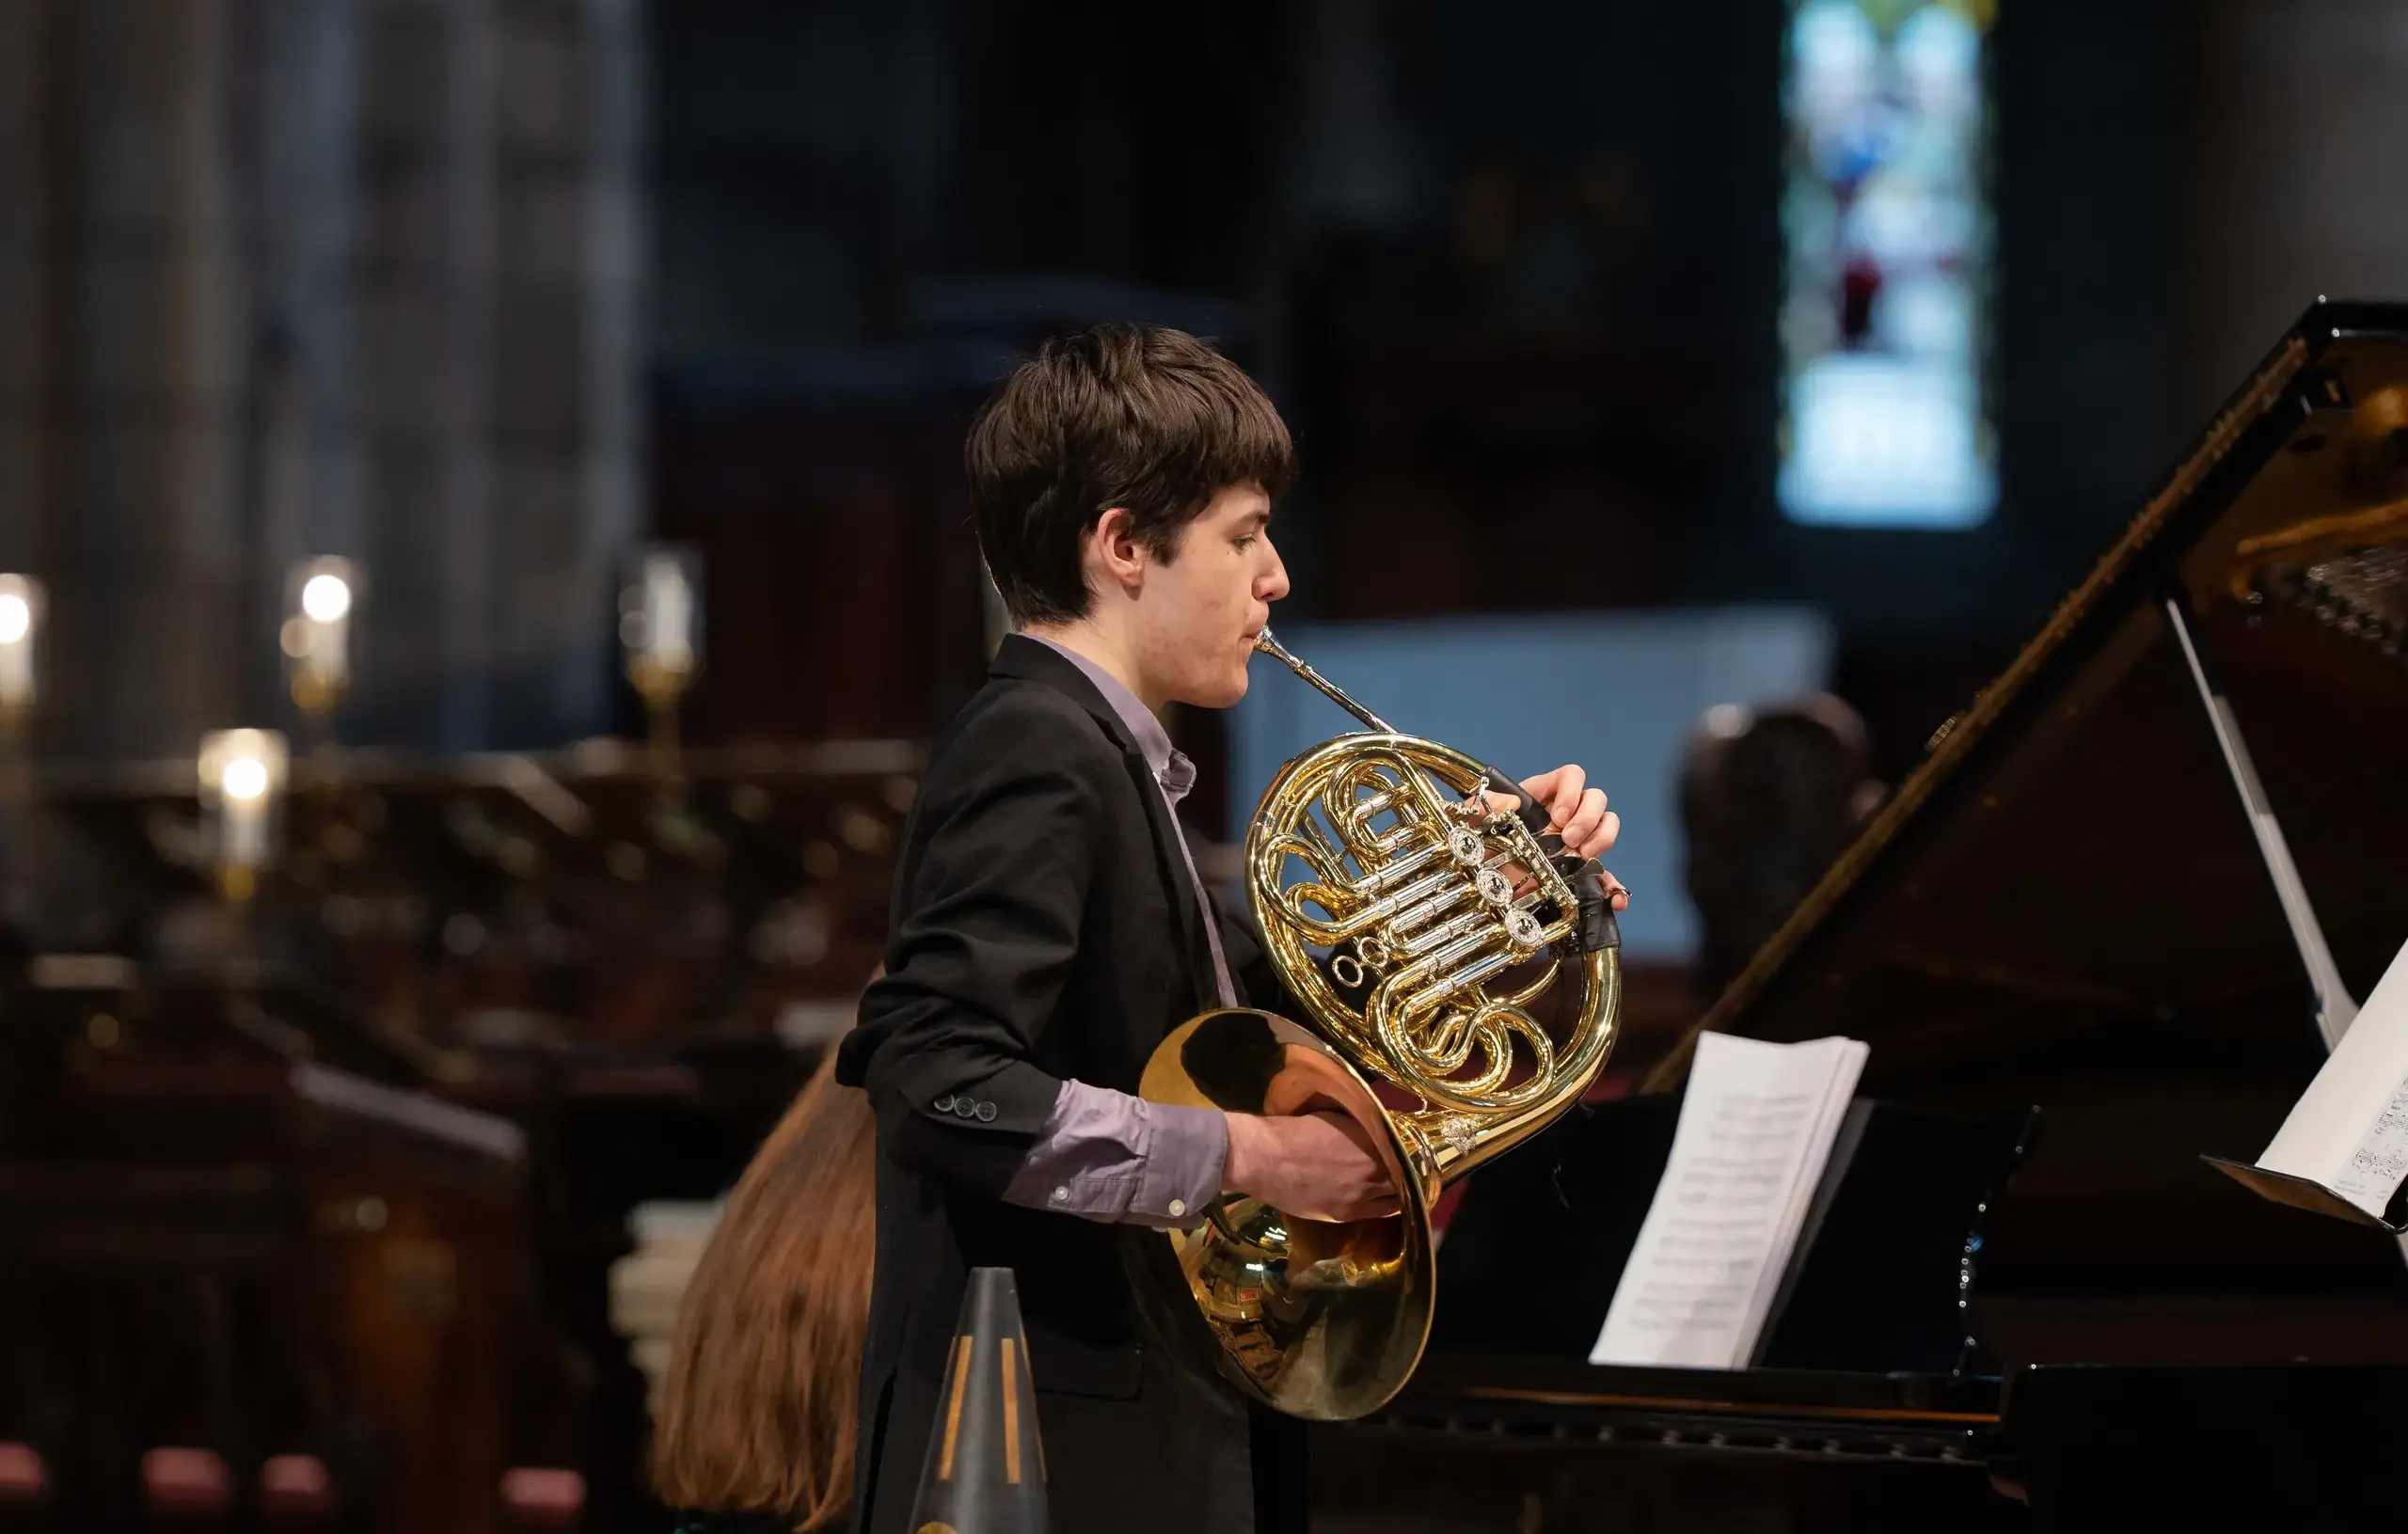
x,y
1111,1157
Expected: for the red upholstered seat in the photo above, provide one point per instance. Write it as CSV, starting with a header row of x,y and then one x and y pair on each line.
x,y
186,1481
24,1478
539,1498
295,1487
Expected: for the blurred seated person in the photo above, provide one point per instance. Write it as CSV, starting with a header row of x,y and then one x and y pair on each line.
x,y
1769,797
756,1426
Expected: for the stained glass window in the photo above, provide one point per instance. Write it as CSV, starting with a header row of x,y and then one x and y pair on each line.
x,y
1885,324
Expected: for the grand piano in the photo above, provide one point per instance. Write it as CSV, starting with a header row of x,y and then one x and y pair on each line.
x,y
2110,926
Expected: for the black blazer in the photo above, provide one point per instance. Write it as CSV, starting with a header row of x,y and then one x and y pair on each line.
x,y
1044,927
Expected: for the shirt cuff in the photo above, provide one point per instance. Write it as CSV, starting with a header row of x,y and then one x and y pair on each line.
x,y
1181,1175
1109,1156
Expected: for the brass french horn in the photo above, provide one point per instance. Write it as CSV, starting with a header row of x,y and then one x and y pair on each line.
x,y
1418,926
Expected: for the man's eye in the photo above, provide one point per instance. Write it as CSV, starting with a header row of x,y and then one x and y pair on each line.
x,y
1245,540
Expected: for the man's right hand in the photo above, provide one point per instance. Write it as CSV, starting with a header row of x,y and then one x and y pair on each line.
x,y
1318,1166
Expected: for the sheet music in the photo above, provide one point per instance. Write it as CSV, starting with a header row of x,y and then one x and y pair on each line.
x,y
2380,1158
1754,1132
2350,1129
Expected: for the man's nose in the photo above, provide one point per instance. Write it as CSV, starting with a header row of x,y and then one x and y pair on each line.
x,y
1273,584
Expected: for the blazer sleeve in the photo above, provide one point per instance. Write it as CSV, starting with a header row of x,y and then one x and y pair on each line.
x,y
983,938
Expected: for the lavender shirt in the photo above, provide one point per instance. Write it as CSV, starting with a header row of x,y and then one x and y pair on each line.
x,y
1106,1154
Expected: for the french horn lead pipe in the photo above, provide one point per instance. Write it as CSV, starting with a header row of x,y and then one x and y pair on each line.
x,y
1327,689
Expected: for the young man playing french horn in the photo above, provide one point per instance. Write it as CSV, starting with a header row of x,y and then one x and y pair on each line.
x,y
1049,930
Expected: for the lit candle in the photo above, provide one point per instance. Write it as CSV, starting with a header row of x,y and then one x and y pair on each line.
x,y
21,604
241,773
317,636
246,810
660,620
669,615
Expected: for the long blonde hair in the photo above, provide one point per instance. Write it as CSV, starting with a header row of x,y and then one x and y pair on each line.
x,y
757,1410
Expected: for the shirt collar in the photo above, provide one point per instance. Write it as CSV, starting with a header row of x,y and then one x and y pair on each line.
x,y
1171,769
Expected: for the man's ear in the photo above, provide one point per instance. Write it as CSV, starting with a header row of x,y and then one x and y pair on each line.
x,y
1119,552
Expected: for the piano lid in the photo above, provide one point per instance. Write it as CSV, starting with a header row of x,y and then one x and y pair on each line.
x,y
2067,903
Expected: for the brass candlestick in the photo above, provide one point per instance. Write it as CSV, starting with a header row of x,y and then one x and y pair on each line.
x,y
321,595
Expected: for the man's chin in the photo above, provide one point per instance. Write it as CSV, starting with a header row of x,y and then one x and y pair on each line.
x,y
1223,695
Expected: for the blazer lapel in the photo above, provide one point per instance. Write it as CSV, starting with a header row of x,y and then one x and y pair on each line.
x,y
1171,867
1030,660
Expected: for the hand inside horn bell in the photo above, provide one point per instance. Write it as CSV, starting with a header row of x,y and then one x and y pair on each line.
x,y
1310,1151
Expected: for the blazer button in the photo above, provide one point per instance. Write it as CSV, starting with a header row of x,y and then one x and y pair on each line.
x,y
1177,1207
964,1108
944,1104
986,1112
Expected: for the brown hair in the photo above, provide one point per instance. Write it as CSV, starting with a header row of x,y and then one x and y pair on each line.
x,y
1142,418
757,1410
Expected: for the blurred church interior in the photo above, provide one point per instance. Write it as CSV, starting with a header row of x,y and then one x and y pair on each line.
x,y
483,551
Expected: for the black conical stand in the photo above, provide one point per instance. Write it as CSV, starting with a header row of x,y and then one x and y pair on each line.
x,y
985,1472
